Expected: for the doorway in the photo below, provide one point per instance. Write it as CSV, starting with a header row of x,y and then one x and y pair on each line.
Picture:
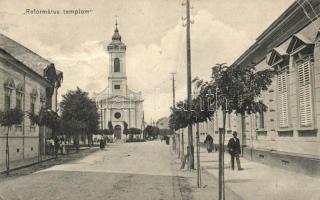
x,y
117,132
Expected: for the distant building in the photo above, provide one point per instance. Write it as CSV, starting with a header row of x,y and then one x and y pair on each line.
x,y
117,103
286,135
28,82
163,123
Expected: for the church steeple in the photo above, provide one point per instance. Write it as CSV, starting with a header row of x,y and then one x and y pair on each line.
x,y
117,78
116,36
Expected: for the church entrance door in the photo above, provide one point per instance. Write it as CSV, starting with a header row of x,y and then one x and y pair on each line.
x,y
117,132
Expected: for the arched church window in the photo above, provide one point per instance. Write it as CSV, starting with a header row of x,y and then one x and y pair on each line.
x,y
116,65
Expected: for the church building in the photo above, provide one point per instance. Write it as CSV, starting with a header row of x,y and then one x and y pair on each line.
x,y
117,104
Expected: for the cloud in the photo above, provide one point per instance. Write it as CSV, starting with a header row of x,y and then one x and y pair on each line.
x,y
84,62
148,66
84,67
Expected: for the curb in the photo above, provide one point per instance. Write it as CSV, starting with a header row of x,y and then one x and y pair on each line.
x,y
34,163
27,165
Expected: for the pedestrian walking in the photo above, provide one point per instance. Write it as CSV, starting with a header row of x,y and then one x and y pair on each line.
x,y
56,146
234,150
62,146
102,142
51,146
209,143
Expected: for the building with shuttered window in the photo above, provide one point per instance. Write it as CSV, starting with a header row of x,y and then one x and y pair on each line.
x,y
286,135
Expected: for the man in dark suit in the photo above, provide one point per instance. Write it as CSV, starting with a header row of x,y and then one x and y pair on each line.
x,y
234,150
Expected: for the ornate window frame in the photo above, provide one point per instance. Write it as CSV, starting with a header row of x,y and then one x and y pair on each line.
x,y
9,87
301,49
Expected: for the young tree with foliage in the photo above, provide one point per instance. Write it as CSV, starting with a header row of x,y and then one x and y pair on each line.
x,y
200,112
235,89
125,125
78,108
152,131
73,128
8,119
110,126
46,118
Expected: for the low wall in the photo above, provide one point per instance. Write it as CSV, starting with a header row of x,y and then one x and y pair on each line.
x,y
294,162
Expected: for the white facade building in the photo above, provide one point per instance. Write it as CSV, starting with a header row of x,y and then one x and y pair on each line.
x,y
28,82
117,103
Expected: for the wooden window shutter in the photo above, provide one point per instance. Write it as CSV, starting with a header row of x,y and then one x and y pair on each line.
x,y
305,96
283,77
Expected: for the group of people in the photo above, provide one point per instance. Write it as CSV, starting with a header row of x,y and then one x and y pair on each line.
x,y
234,148
54,145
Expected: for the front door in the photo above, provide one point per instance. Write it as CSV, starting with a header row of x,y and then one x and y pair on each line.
x,y
117,132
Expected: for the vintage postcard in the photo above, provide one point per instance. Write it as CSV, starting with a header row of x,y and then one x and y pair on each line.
x,y
159,99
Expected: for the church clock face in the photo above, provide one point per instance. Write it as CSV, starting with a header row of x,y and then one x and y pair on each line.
x,y
117,115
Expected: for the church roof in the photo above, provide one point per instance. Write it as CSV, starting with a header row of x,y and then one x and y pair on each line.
x,y
107,95
116,42
116,36
135,95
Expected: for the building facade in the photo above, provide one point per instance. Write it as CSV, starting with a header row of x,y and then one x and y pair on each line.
x,y
117,104
286,135
28,82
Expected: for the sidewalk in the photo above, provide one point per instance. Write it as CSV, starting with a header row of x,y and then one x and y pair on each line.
x,y
258,181
16,164
22,163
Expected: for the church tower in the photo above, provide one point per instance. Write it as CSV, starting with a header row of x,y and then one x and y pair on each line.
x,y
117,79
118,104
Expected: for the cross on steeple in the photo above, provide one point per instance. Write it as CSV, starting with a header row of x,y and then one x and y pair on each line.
x,y
116,21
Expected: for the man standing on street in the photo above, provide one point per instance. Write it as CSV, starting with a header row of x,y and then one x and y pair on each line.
x,y
234,150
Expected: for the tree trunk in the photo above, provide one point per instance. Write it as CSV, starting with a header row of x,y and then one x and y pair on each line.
x,y
221,158
7,153
182,146
177,145
198,158
76,142
191,148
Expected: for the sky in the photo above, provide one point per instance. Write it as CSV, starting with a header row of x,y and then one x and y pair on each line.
x,y
153,32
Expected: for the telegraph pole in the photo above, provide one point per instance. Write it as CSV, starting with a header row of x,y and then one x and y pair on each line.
x,y
190,137
174,140
173,91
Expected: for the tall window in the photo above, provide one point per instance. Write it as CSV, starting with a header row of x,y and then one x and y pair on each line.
x,y
116,65
7,102
33,98
19,96
8,88
305,95
32,107
261,120
18,103
283,77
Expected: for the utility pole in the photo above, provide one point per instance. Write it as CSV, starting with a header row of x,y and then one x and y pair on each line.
x,y
173,107
190,137
173,91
